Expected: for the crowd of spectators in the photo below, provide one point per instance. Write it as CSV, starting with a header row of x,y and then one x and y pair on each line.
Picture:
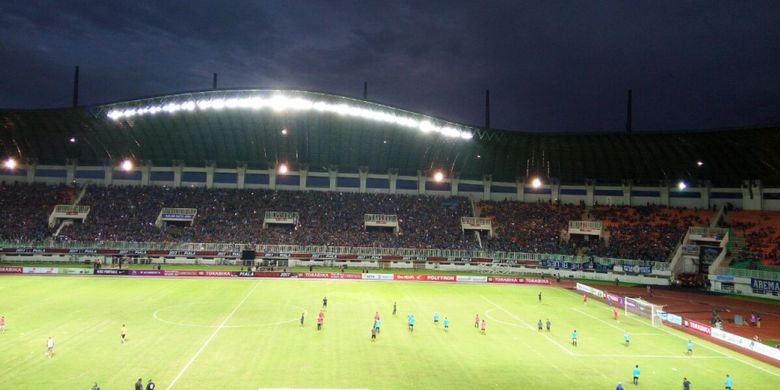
x,y
25,209
128,213
530,227
645,232
228,215
760,231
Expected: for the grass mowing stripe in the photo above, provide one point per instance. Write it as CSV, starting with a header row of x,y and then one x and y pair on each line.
x,y
620,356
527,325
599,319
202,347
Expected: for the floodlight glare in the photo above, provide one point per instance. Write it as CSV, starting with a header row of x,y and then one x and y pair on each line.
x,y
280,103
438,176
283,169
536,182
699,163
681,185
72,140
10,163
284,131
127,165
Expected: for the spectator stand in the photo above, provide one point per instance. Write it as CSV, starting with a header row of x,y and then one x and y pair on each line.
x,y
176,216
381,222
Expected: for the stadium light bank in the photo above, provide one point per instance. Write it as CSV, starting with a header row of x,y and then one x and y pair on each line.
x,y
278,103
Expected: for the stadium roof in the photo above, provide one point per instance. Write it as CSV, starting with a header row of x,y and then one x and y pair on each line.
x,y
324,130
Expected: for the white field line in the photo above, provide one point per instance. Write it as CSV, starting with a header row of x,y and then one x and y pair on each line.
x,y
599,319
710,348
205,344
530,328
617,355
613,325
527,325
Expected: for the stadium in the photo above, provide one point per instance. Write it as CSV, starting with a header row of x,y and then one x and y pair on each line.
x,y
244,238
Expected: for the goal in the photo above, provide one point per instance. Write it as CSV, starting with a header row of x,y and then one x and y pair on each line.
x,y
645,309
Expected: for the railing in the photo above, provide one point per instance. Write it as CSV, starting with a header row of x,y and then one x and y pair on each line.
x,y
179,210
657,265
708,232
476,221
380,218
747,273
715,218
281,215
122,245
592,225
336,250
69,208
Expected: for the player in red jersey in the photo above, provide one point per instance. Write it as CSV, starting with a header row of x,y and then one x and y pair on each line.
x,y
320,320
615,313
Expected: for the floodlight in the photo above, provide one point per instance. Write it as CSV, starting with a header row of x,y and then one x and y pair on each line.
x,y
438,176
681,185
536,182
283,169
127,165
10,163
280,103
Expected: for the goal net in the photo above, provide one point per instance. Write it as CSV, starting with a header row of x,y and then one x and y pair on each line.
x,y
645,309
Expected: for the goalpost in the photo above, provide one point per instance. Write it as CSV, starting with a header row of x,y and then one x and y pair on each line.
x,y
643,308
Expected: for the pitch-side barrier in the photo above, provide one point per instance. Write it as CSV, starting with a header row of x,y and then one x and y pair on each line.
x,y
673,319
277,274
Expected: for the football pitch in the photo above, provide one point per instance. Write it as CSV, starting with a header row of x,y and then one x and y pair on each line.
x,y
245,334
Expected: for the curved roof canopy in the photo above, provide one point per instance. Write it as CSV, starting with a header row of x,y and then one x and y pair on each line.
x,y
321,131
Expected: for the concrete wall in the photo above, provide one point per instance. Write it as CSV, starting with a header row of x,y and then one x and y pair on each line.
x,y
751,195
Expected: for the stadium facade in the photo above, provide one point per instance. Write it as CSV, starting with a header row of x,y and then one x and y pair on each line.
x,y
301,140
239,139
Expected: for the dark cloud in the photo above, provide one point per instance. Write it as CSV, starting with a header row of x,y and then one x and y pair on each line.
x,y
551,66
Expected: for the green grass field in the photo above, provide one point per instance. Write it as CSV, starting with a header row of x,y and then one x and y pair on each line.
x,y
244,334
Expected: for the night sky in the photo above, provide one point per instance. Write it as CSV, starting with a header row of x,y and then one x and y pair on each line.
x,y
550,66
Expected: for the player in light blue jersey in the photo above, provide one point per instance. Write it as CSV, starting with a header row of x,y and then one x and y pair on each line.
x,y
636,374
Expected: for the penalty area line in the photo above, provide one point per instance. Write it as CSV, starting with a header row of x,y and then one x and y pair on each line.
x,y
728,355
614,326
617,355
208,340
